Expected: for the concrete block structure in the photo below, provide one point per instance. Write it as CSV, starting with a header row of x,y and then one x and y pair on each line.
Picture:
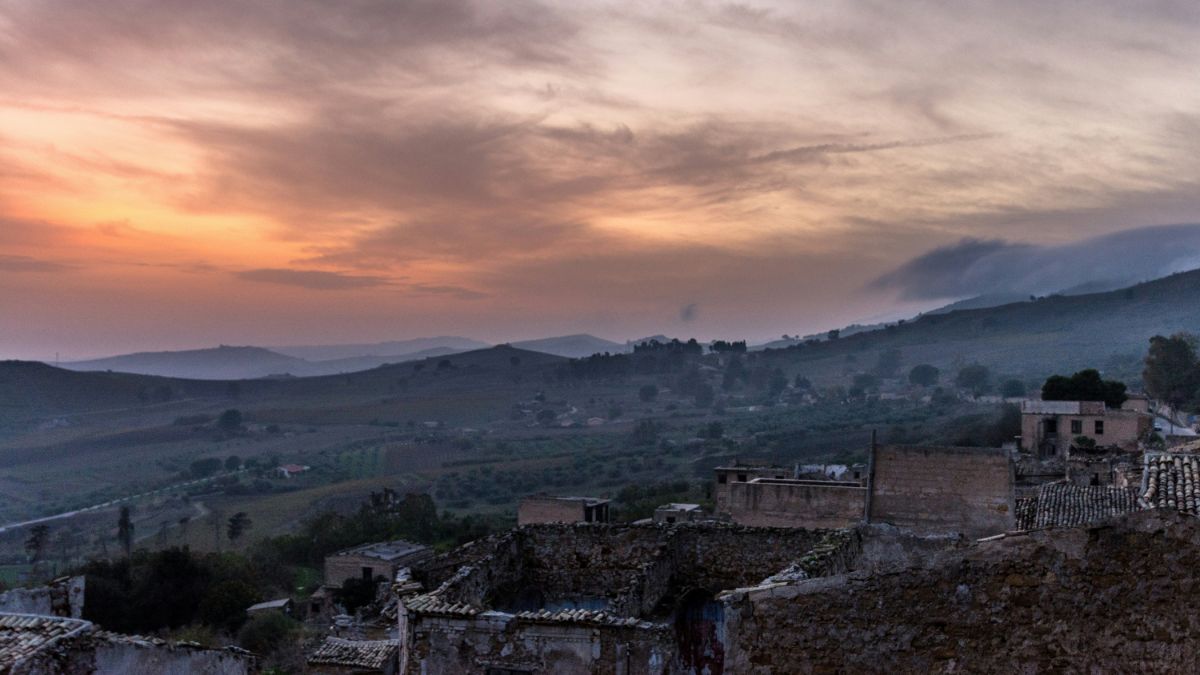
x,y
669,514
541,509
372,561
943,489
739,473
774,502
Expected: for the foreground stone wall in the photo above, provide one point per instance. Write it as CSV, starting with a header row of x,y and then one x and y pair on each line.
x,y
1118,597
61,597
787,503
943,489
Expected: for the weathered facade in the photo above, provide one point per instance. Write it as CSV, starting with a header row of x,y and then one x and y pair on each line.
x,y
942,489
540,509
1049,428
372,561
771,502
726,476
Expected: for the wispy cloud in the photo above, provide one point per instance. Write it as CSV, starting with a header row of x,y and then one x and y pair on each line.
x,y
316,280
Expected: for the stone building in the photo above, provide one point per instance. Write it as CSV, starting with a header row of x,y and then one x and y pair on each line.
x,y
539,509
372,561
1049,428
52,645
669,514
575,599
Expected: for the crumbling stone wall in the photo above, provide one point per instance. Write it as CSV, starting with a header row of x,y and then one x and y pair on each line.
x,y
1114,597
61,597
943,489
472,646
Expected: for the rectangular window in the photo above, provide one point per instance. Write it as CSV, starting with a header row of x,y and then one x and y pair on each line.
x,y
1077,426
1099,427
722,478
741,478
1051,426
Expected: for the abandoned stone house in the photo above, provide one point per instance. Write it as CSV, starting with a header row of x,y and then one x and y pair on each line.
x,y
1050,428
597,598
923,488
372,561
546,509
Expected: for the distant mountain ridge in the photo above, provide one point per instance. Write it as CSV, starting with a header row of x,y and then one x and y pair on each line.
x,y
447,343
572,346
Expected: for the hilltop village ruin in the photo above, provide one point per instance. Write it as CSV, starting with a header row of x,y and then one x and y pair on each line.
x,y
1072,548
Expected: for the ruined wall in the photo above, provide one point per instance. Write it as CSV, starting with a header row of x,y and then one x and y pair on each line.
x,y
61,597
121,658
810,504
1112,598
942,489
470,646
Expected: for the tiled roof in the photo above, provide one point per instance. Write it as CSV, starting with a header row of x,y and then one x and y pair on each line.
x,y
385,550
1172,480
24,635
1063,504
1026,512
373,654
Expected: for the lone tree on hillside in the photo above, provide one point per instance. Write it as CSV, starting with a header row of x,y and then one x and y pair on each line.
x,y
1012,388
889,363
976,378
238,524
230,420
35,545
125,530
924,375
1172,373
1085,385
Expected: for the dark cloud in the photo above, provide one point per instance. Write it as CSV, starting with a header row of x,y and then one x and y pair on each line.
x,y
977,267
276,46
313,279
20,263
689,312
458,292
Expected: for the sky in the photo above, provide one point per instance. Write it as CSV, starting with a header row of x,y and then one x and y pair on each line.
x,y
179,174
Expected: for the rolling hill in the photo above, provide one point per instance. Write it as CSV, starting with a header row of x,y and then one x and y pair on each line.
x,y
1055,334
573,346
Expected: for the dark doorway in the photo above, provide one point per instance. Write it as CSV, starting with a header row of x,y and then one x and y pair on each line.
x,y
698,623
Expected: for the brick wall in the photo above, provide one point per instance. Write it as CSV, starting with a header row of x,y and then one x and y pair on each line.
x,y
770,503
534,510
942,489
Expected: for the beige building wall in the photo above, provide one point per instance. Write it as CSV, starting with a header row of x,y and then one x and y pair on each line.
x,y
726,476
943,489
768,502
339,568
1119,428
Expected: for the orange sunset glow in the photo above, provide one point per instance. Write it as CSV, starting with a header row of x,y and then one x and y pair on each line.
x,y
180,174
